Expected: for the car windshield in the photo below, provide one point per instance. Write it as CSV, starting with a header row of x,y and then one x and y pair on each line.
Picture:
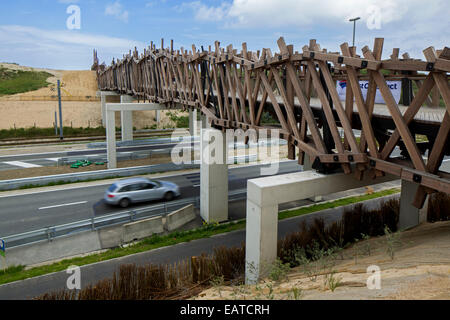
x,y
158,183
112,187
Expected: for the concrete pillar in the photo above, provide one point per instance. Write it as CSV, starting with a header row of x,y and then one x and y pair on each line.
x,y
307,166
409,215
263,197
105,97
103,104
111,139
205,123
158,117
126,120
193,122
213,176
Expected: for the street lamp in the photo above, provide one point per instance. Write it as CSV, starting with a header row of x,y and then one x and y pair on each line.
x,y
354,27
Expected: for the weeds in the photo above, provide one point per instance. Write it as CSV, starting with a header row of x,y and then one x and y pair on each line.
x,y
332,282
314,248
279,271
295,294
392,241
438,207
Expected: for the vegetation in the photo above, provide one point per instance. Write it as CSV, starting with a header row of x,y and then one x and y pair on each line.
x,y
18,81
180,121
35,132
156,241
438,207
191,276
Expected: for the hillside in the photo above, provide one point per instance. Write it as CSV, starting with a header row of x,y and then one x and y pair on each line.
x,y
74,83
15,80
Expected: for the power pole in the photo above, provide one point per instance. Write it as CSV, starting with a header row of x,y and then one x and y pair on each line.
x,y
61,137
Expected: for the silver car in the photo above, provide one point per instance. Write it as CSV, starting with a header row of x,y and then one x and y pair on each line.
x,y
125,192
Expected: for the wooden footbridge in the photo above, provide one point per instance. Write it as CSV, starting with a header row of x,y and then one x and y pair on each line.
x,y
236,88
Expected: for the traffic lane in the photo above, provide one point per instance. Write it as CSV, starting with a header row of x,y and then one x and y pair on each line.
x,y
85,152
20,214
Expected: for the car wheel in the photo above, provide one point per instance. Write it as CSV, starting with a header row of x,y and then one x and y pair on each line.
x,y
124,203
169,196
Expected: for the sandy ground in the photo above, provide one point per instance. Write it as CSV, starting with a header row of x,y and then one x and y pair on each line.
x,y
25,114
420,270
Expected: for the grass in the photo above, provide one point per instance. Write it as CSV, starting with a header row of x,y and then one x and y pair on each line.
x,y
180,121
336,203
174,238
17,81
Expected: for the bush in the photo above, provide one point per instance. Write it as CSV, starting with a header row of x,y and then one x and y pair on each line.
x,y
190,276
438,207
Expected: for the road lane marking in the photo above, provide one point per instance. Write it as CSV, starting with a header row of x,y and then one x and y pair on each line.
x,y
22,164
63,205
102,183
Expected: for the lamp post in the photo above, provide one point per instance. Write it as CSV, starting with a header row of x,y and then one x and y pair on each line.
x,y
354,27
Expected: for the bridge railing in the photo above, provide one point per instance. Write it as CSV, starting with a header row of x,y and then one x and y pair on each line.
x,y
235,89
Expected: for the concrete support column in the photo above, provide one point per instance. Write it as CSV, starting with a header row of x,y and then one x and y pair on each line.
x,y
103,105
105,97
205,123
263,197
193,122
410,216
213,176
126,120
158,117
111,139
307,166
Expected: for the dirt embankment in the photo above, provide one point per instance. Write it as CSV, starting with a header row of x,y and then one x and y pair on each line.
x,y
37,108
420,270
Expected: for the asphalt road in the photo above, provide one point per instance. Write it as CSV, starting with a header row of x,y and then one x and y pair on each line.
x,y
22,213
90,274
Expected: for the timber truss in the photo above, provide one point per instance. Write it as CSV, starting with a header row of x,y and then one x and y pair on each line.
x,y
239,89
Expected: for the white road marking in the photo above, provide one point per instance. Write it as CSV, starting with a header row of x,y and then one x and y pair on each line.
x,y
22,164
63,205
111,180
196,185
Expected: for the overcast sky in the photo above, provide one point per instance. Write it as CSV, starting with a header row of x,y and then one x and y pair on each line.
x,y
35,32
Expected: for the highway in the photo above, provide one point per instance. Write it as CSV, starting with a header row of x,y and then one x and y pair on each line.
x,y
35,160
35,210
90,274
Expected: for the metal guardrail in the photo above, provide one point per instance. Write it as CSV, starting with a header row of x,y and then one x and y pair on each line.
x,y
118,218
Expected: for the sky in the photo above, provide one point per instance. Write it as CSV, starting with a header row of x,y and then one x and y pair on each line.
x,y
61,34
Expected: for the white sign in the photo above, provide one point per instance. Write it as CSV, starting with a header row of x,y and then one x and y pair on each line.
x,y
395,86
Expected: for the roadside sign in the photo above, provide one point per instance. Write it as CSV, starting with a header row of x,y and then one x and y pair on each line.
x,y
2,248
